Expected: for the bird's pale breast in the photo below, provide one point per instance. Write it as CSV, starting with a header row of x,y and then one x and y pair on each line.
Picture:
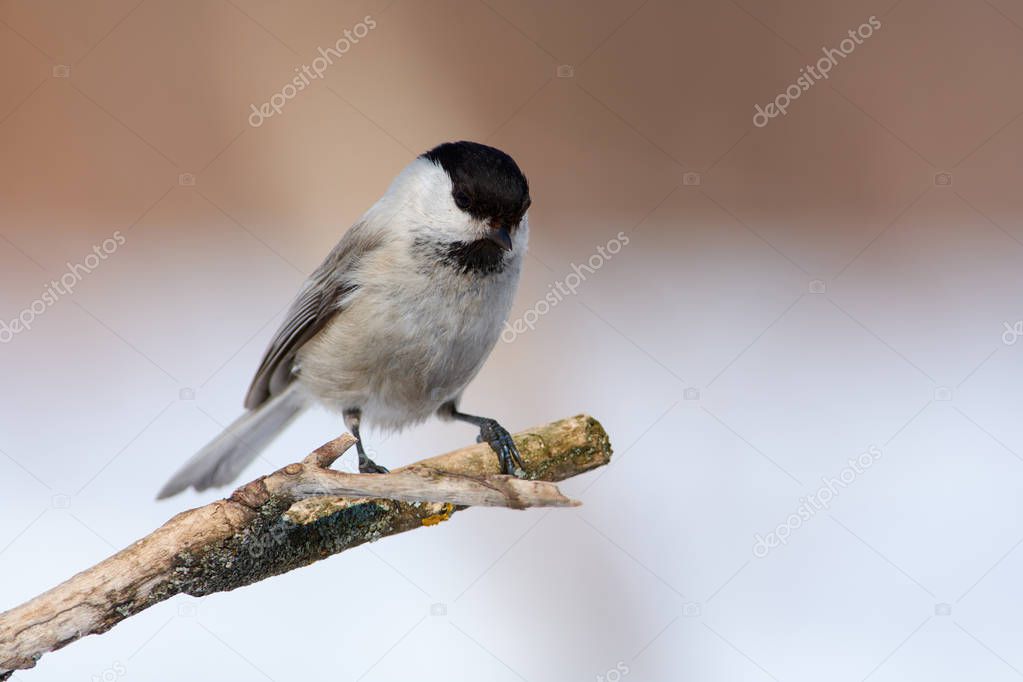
x,y
406,344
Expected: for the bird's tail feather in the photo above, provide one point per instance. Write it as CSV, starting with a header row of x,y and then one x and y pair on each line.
x,y
225,456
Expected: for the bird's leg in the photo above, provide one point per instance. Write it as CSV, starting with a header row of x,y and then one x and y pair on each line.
x,y
493,433
366,465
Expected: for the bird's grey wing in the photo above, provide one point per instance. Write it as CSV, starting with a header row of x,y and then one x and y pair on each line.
x,y
322,296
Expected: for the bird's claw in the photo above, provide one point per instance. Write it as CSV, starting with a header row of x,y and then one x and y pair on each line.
x,y
368,466
502,443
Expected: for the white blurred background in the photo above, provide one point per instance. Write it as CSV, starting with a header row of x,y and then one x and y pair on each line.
x,y
845,277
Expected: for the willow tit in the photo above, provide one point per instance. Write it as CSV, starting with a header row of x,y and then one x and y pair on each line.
x,y
398,318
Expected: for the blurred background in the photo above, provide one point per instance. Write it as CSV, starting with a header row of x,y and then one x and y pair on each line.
x,y
800,328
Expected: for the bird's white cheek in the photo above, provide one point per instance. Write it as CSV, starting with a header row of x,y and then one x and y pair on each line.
x,y
521,237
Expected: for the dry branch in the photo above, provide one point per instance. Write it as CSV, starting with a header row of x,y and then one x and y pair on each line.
x,y
291,518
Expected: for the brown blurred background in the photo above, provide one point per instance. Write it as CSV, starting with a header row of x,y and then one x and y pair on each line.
x,y
782,295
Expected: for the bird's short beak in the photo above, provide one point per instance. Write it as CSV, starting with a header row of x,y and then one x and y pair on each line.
x,y
501,237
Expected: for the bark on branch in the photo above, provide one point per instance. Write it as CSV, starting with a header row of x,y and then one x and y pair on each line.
x,y
295,516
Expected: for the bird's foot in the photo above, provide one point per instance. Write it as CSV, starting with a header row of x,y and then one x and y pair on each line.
x,y
368,466
501,441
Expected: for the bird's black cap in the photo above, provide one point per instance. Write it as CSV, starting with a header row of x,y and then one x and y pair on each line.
x,y
487,183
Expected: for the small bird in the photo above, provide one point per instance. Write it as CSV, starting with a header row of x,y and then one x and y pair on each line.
x,y
398,318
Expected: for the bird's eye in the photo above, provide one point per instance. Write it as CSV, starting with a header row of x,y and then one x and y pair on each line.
x,y
461,199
